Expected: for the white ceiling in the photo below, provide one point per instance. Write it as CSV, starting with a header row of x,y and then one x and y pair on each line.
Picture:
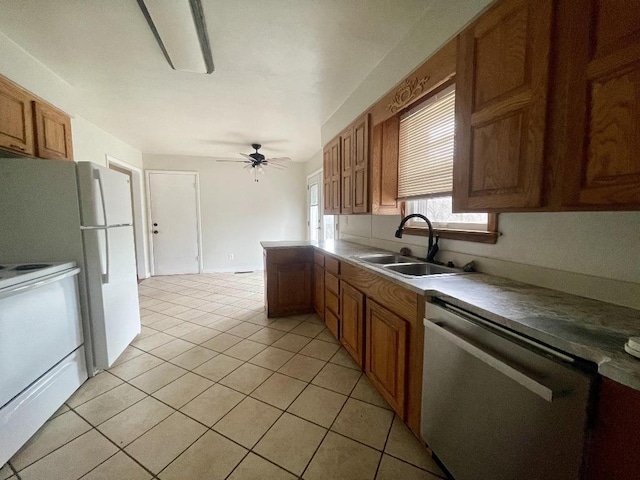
x,y
282,67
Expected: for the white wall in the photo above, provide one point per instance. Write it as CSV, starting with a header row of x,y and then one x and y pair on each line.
x,y
314,163
440,22
237,213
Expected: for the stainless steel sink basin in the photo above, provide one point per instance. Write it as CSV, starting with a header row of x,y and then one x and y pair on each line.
x,y
420,269
386,258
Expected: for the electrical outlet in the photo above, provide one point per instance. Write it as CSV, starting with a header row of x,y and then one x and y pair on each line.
x,y
231,256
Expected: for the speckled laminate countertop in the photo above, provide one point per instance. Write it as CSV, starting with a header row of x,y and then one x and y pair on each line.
x,y
589,329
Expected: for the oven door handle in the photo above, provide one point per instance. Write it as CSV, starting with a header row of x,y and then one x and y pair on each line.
x,y
41,283
529,383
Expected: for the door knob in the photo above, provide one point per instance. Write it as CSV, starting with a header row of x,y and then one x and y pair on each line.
x,y
155,232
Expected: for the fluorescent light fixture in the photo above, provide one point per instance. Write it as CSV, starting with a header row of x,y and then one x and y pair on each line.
x,y
181,32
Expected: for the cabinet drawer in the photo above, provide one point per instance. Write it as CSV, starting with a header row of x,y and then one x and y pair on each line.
x,y
318,258
332,265
332,302
332,283
332,322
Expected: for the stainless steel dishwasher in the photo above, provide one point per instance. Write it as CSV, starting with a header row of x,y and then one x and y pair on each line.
x,y
499,406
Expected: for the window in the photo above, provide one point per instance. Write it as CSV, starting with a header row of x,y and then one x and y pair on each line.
x,y
425,172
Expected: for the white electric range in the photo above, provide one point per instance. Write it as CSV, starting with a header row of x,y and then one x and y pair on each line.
x,y
42,360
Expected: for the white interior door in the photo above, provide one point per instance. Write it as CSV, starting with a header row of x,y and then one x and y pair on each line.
x,y
314,202
174,222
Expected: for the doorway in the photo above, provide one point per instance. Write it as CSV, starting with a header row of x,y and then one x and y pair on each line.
x,y
138,208
175,222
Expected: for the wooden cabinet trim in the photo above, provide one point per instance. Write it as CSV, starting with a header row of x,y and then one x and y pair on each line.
x,y
333,323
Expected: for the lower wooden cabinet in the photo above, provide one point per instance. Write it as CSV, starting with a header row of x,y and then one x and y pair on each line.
x,y
614,452
289,281
352,322
386,354
332,322
318,290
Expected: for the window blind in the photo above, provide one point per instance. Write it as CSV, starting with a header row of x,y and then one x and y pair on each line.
x,y
426,148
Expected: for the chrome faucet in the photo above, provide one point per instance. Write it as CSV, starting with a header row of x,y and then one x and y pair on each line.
x,y
431,249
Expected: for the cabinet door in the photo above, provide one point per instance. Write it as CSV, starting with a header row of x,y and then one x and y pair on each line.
x,y
318,290
352,321
326,179
601,165
384,167
289,288
346,171
53,133
16,119
332,178
361,140
386,354
502,80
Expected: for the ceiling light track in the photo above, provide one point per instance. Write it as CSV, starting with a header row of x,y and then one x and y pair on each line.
x,y
180,29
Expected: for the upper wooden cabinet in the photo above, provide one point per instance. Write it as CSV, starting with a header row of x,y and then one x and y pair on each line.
x,y
16,117
360,165
31,127
331,177
348,154
52,132
384,167
347,147
502,82
600,50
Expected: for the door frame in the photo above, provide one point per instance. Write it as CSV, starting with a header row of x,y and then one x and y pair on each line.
x,y
198,222
139,217
320,204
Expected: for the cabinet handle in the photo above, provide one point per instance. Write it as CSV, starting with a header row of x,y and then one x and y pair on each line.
x,y
17,146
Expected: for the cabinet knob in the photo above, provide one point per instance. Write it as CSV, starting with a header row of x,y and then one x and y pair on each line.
x,y
155,224
155,232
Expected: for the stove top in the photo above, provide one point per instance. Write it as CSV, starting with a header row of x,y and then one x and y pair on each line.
x,y
12,274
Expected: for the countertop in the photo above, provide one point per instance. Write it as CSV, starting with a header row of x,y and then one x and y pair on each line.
x,y
590,329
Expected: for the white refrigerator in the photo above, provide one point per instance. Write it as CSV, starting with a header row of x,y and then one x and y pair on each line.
x,y
110,262
54,211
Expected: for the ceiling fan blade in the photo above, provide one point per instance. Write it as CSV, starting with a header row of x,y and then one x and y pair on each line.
x,y
275,165
279,159
248,157
234,161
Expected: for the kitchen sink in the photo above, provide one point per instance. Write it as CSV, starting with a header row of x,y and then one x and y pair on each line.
x,y
420,269
406,265
386,258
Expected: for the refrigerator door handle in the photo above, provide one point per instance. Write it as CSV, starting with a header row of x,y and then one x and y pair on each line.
x,y
97,174
105,276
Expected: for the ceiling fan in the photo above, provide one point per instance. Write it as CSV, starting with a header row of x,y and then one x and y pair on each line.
x,y
255,162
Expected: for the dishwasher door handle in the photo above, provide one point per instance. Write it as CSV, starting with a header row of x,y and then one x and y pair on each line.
x,y
529,383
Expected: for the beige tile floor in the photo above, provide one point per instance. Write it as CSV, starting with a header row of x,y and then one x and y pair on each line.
x,y
212,389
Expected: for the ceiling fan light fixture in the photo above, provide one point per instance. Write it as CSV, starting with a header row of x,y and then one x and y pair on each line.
x,y
181,32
